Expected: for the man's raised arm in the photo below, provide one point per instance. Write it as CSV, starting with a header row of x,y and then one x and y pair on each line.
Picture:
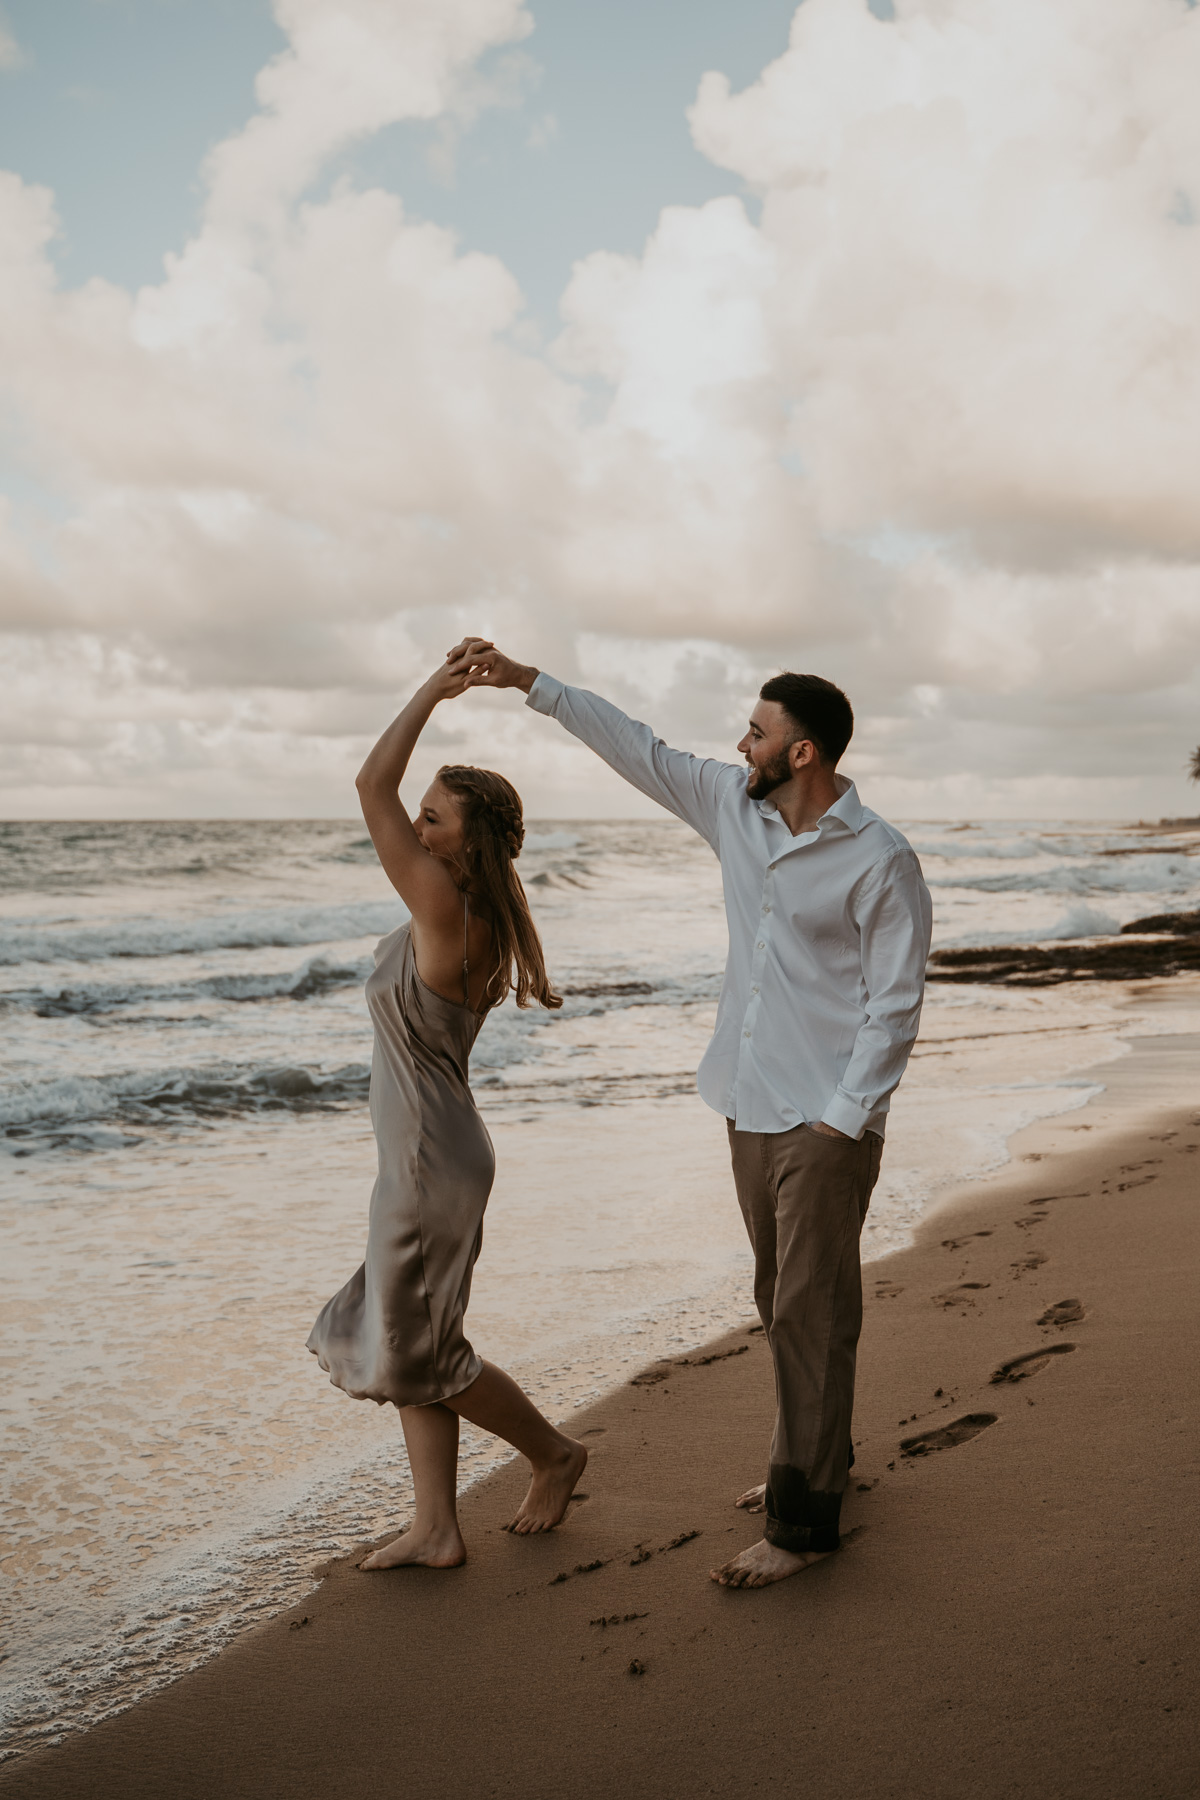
x,y
692,787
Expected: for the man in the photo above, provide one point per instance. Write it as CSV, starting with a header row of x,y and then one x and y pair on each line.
x,y
829,922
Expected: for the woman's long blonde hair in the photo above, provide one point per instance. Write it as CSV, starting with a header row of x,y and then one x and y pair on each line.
x,y
493,832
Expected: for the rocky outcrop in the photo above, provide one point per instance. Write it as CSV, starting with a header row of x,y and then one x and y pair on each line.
x,y
1166,944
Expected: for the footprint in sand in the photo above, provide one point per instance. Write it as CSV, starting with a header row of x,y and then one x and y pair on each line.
x,y
887,1290
958,1242
1018,1368
946,1437
1034,1260
1064,1312
962,1295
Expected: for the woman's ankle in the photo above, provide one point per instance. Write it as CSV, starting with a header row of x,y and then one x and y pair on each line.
x,y
559,1455
440,1525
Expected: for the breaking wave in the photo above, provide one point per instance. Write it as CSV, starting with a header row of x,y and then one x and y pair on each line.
x,y
71,940
319,975
81,1112
75,1104
1135,874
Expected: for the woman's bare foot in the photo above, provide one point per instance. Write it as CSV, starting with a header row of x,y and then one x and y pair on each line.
x,y
425,1549
754,1499
762,1564
550,1491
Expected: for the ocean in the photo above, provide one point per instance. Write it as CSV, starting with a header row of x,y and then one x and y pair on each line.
x,y
186,1161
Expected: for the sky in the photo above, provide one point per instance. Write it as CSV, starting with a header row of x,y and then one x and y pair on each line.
x,y
669,344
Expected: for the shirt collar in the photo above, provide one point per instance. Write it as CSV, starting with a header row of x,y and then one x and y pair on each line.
x,y
847,809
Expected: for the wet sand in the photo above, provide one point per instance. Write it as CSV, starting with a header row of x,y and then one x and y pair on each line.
x,y
1012,1614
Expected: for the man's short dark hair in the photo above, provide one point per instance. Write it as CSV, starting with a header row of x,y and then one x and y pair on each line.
x,y
818,710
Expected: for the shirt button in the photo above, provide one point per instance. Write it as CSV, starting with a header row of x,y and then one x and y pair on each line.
x,y
745,1034
766,910
760,945
754,990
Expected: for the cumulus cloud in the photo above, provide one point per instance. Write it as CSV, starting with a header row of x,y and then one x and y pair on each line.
x,y
985,216
349,70
922,413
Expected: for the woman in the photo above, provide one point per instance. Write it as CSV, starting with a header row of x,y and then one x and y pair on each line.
x,y
395,1331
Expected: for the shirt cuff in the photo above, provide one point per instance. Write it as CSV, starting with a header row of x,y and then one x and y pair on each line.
x,y
846,1115
544,695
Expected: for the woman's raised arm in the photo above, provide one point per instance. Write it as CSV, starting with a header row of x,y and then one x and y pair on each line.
x,y
423,881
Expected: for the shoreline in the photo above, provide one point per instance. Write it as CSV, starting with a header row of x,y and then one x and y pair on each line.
x,y
987,1629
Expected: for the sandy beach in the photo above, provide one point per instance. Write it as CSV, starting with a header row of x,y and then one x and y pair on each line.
x,y
1012,1613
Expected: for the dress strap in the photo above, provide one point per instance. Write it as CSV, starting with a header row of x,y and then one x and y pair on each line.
x,y
466,962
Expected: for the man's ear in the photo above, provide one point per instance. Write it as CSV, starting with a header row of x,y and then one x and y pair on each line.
x,y
801,753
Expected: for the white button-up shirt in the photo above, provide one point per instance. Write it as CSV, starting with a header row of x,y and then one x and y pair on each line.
x,y
828,933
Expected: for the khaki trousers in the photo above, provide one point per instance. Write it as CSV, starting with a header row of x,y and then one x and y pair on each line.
x,y
804,1198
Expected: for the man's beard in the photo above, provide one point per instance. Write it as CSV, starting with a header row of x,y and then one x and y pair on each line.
x,y
766,777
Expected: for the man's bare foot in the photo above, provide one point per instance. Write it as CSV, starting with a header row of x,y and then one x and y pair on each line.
x,y
425,1549
762,1564
754,1499
550,1491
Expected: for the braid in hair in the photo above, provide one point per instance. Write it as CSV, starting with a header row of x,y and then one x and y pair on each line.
x,y
493,833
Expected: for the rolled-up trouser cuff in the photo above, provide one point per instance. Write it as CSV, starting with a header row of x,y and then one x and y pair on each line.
x,y
799,1518
801,1537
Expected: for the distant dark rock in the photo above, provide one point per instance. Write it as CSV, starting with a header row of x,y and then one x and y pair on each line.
x,y
603,989
1185,924
1165,944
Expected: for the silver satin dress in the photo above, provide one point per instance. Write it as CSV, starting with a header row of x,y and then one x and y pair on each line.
x,y
395,1331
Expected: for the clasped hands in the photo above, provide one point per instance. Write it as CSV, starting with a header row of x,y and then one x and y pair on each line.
x,y
476,662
